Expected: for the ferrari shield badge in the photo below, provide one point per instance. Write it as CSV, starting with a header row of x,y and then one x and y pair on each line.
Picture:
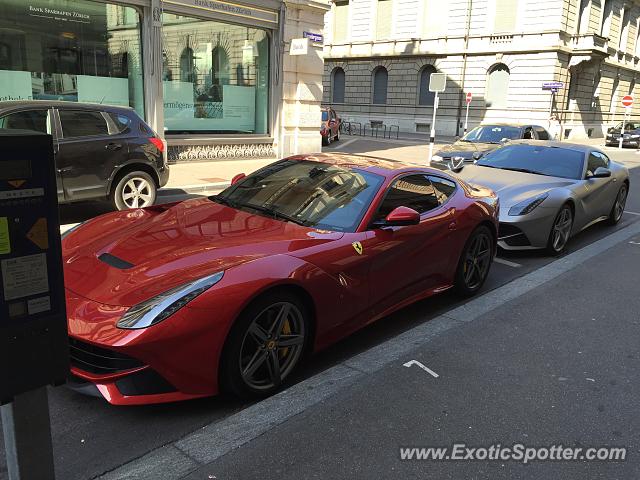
x,y
357,246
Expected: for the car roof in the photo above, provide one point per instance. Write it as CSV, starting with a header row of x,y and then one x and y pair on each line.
x,y
554,144
60,104
381,166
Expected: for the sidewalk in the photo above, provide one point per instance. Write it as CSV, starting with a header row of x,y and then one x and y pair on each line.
x,y
540,361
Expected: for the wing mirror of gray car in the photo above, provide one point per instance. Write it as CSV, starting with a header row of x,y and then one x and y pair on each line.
x,y
601,172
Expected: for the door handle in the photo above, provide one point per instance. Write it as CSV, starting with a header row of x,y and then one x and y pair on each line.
x,y
113,146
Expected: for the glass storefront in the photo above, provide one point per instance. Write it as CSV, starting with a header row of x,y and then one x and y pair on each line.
x,y
75,50
215,77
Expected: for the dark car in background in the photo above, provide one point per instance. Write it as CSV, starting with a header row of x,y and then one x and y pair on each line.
x,y
329,126
482,140
101,152
630,137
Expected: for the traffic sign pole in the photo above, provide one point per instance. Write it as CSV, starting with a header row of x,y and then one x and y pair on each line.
x,y
466,116
627,102
432,137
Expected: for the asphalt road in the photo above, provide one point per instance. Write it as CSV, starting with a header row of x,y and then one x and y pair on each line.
x,y
92,437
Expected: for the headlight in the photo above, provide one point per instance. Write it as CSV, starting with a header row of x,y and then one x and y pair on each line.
x,y
166,304
527,206
436,158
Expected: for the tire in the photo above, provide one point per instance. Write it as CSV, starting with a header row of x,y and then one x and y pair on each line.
x,y
618,205
134,190
251,346
560,230
337,139
477,255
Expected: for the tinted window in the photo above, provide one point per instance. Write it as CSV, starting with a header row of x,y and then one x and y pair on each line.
x,y
413,191
542,133
121,122
444,188
79,123
596,160
311,193
492,134
28,120
528,134
552,161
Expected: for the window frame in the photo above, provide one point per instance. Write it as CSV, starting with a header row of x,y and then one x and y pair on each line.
x,y
496,67
373,223
595,153
100,112
374,74
455,190
333,85
429,94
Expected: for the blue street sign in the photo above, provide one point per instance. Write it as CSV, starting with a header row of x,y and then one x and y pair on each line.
x,y
554,86
314,37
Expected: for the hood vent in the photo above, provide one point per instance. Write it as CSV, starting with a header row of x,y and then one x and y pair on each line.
x,y
115,261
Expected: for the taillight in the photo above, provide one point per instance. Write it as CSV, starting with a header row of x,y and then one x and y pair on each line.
x,y
158,143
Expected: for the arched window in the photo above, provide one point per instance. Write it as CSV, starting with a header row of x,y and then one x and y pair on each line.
x,y
497,86
380,80
426,97
187,66
219,73
337,85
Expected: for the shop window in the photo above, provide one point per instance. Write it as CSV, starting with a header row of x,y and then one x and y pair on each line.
x,y
223,81
380,80
337,85
426,97
95,58
497,86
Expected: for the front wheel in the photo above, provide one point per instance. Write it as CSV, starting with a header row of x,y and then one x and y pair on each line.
x,y
475,262
560,231
134,190
618,206
264,346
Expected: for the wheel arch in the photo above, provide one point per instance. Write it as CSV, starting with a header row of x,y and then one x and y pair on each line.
x,y
133,167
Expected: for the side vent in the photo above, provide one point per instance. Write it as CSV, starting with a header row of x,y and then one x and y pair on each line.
x,y
115,261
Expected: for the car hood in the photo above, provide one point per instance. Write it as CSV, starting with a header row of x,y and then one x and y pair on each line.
x,y
124,258
466,149
512,187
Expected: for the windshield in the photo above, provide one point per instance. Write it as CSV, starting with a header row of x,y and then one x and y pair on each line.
x,y
325,116
492,134
309,193
542,160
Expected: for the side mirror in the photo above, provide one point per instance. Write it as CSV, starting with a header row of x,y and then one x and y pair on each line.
x,y
504,140
237,178
477,155
401,216
601,172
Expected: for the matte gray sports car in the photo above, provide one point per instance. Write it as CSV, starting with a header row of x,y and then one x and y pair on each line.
x,y
550,191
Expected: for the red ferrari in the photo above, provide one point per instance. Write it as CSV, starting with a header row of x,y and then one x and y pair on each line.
x,y
228,293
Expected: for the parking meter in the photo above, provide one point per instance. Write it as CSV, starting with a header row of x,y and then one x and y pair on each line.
x,y
33,325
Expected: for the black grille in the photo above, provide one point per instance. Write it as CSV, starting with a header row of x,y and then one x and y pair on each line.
x,y
144,382
115,261
99,360
512,235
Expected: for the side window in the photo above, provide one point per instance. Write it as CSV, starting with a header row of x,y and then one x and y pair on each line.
x,y
528,134
27,120
542,133
413,191
443,188
81,123
596,160
119,123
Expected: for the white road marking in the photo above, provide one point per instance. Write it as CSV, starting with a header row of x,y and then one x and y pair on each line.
x,y
426,369
632,213
506,262
344,144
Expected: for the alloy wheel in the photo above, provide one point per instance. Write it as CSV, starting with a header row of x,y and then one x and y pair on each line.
x,y
621,201
272,346
477,261
137,193
561,229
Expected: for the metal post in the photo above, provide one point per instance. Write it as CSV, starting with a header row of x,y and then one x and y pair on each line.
x,y
624,120
27,436
466,118
432,138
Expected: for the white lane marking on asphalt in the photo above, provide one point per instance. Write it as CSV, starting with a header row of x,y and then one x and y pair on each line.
x,y
632,213
423,367
506,262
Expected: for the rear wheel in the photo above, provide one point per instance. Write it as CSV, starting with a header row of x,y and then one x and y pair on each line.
x,y
264,346
134,190
560,231
618,206
475,262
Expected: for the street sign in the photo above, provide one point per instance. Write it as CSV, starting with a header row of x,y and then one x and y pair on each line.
x,y
437,82
468,97
299,46
314,37
553,86
627,100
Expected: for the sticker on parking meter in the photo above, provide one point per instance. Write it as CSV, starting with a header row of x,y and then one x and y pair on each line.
x,y
25,276
5,242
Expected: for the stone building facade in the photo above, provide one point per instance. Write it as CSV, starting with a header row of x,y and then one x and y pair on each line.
x,y
379,55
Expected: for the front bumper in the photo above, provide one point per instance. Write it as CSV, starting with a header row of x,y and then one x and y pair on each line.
x,y
526,232
626,141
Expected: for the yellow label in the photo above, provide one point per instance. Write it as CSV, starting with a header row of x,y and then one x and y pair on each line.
x,y
39,234
357,246
5,243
